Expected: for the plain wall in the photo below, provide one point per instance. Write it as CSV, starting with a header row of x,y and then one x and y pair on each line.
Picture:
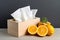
x,y
46,8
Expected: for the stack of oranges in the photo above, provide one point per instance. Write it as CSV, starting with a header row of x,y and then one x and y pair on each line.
x,y
43,28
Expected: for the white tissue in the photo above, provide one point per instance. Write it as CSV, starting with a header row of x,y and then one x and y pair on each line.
x,y
34,11
24,13
17,15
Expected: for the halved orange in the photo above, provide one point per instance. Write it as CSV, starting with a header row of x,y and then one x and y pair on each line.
x,y
42,30
32,29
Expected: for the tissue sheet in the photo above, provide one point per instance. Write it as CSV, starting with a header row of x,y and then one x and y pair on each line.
x,y
34,11
17,15
24,13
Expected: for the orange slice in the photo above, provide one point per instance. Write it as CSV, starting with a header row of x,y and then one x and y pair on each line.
x,y
32,29
42,30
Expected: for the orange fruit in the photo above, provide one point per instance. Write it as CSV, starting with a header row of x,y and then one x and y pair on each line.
x,y
48,22
40,23
51,29
32,29
44,24
42,30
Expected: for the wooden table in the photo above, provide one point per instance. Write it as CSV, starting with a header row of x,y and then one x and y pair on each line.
x,y
5,36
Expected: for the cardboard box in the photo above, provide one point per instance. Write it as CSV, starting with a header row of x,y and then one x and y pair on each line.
x,y
19,28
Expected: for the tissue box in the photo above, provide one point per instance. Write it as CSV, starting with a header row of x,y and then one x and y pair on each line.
x,y
19,28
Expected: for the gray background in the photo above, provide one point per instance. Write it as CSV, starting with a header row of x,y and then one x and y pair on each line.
x,y
46,8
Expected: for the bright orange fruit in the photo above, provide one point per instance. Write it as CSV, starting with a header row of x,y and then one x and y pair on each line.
x,y
32,29
40,23
51,30
42,30
48,22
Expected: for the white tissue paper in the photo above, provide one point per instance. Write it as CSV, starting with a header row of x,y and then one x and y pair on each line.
x,y
17,15
34,11
24,13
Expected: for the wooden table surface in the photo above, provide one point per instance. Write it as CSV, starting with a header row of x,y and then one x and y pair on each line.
x,y
5,36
